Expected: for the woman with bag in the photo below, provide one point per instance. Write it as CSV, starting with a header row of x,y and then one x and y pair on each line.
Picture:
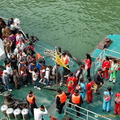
x,y
107,99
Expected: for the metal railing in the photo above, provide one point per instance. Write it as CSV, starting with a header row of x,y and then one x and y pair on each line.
x,y
105,52
84,113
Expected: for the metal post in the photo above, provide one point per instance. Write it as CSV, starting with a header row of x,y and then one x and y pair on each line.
x,y
56,68
87,115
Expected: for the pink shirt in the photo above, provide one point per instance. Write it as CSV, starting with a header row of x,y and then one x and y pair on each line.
x,y
87,63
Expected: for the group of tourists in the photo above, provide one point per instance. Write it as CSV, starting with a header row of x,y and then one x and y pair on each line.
x,y
22,67
77,86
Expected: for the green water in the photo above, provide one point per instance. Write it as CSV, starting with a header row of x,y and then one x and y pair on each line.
x,y
75,25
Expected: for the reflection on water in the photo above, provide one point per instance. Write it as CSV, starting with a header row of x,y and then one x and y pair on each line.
x,y
75,25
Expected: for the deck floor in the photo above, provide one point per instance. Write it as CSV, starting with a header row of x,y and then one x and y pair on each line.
x,y
47,97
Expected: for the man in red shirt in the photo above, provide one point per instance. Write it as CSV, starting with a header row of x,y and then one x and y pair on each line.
x,y
71,82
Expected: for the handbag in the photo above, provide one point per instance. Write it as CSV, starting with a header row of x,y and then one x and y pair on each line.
x,y
107,97
117,99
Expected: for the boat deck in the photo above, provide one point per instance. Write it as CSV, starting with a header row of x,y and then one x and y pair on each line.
x,y
47,96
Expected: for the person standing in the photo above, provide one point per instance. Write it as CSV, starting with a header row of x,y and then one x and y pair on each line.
x,y
31,100
71,82
105,67
117,103
56,73
82,88
9,71
113,71
65,59
107,99
98,80
5,78
76,99
60,100
79,72
48,75
89,91
35,77
38,112
88,63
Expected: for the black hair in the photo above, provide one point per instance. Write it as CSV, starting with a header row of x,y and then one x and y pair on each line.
x,y
107,58
42,106
89,79
59,90
88,57
115,61
30,92
57,65
76,91
70,74
49,66
99,69
109,89
82,66
64,53
40,61
82,79
35,69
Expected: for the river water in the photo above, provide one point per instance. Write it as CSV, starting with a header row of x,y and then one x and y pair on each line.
x,y
74,25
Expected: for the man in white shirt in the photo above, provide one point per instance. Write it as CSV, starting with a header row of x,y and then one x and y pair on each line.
x,y
9,71
38,113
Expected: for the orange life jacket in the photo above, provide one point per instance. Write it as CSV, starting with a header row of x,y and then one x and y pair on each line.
x,y
62,97
30,99
65,59
75,99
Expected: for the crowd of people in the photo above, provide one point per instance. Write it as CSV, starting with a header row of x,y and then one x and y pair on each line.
x,y
21,67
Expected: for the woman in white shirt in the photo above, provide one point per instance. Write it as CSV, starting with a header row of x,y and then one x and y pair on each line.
x,y
35,76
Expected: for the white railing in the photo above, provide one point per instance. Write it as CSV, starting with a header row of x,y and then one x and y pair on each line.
x,y
5,118
83,115
105,52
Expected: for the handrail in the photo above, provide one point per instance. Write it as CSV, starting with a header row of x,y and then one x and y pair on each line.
x,y
5,118
86,115
103,54
3,18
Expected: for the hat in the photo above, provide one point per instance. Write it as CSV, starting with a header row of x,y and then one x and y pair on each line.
x,y
4,71
23,54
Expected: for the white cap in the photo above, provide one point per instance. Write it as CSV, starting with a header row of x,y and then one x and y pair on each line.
x,y
23,54
4,71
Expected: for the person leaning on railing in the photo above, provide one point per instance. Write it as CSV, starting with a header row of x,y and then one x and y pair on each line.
x,y
76,99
